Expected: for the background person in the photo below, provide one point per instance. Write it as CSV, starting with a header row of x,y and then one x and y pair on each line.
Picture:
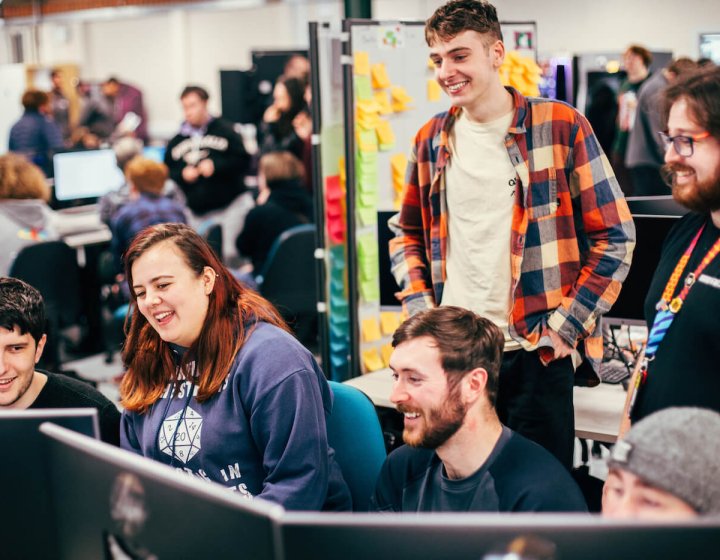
x,y
36,135
22,340
208,161
282,203
666,467
147,205
459,457
215,384
25,216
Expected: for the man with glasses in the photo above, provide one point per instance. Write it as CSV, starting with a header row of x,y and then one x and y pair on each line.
x,y
680,367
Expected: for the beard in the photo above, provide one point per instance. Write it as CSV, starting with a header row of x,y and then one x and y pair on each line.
x,y
440,423
699,196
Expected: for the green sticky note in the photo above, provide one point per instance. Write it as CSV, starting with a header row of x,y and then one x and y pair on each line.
x,y
363,89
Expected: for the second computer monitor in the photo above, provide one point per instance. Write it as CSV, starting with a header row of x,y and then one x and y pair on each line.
x,y
110,503
82,177
495,536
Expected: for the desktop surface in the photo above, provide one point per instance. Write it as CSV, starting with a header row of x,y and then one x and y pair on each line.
x,y
110,503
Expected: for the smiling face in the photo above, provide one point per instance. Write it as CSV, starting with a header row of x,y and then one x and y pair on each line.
x,y
432,411
626,496
695,179
170,295
18,356
466,67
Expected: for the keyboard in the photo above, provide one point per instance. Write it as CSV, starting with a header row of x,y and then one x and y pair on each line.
x,y
614,371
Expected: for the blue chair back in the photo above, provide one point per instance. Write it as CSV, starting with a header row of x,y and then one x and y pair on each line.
x,y
355,434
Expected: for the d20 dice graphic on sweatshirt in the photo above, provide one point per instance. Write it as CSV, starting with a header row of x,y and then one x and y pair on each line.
x,y
181,433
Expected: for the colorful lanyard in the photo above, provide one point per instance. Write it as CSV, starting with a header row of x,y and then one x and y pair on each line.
x,y
669,306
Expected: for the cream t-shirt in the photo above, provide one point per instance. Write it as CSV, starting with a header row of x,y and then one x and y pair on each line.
x,y
480,191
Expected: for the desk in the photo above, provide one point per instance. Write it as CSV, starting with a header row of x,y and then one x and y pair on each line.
x,y
597,410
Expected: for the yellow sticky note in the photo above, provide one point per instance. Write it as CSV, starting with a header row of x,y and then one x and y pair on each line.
x,y
433,90
400,95
385,133
370,329
430,64
398,163
380,79
361,65
389,321
386,352
371,360
382,100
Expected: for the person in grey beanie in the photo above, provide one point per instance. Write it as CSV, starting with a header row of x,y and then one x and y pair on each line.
x,y
666,467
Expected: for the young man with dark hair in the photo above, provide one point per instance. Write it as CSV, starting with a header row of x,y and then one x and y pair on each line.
x,y
681,364
459,457
22,340
511,210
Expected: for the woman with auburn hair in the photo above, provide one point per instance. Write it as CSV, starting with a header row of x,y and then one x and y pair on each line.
x,y
215,384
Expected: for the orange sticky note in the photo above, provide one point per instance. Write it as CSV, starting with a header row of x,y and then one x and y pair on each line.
x,y
379,76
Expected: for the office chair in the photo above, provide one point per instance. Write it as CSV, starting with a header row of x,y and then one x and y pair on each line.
x,y
354,433
213,234
288,280
51,267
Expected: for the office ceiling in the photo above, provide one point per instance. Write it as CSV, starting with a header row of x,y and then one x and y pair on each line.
x,y
10,9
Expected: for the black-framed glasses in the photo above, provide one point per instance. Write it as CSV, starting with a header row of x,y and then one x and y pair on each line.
x,y
684,144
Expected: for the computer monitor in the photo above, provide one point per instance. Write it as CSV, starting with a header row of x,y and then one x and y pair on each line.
x,y
469,536
110,503
155,153
26,520
82,177
654,217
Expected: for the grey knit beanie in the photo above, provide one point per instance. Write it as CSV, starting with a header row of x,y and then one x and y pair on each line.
x,y
676,450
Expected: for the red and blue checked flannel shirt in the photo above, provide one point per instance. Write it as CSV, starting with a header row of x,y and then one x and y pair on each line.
x,y
572,232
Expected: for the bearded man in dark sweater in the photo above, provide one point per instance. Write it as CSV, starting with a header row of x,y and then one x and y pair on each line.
x,y
459,457
22,340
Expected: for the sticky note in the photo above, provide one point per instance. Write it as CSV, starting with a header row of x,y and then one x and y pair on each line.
x,y
386,352
433,90
379,75
389,321
430,64
400,95
382,99
385,134
370,291
333,190
371,360
367,141
368,216
361,63
363,90
370,329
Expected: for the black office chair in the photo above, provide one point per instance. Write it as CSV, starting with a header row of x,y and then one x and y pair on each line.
x,y
213,234
288,280
51,267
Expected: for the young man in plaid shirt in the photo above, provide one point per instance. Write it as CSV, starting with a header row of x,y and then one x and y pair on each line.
x,y
512,210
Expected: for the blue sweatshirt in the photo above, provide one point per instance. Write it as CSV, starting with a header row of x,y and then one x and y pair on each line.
x,y
264,434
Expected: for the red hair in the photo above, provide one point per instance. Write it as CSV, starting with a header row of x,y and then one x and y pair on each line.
x,y
233,311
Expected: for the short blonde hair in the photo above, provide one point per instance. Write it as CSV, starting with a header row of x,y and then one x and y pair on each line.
x,y
147,175
20,179
279,166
